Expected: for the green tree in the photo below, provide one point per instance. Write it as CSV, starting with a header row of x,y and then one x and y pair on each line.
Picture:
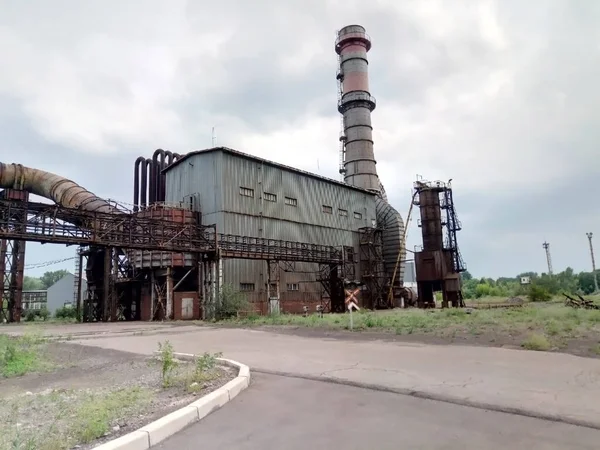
x,y
32,284
49,278
585,282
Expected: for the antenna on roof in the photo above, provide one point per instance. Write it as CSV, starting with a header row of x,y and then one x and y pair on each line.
x,y
214,137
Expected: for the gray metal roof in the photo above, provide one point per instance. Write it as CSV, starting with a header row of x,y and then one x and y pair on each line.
x,y
265,161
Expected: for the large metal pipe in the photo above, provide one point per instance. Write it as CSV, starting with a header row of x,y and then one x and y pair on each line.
x,y
356,105
62,191
138,166
149,186
144,183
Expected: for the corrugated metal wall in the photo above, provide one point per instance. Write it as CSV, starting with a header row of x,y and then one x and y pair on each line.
x,y
215,179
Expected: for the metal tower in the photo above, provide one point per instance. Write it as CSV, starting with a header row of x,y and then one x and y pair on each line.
x,y
355,103
589,236
546,246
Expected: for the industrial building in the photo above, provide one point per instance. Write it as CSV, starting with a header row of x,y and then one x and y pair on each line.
x,y
289,240
245,195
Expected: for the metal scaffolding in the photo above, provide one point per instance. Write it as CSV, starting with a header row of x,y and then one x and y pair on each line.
x,y
114,285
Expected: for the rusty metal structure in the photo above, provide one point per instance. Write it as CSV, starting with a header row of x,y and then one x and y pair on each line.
x,y
438,262
137,262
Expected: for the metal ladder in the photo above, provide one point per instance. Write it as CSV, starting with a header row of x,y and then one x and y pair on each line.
x,y
340,77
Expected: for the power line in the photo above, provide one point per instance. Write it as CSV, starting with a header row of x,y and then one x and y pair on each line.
x,y
48,263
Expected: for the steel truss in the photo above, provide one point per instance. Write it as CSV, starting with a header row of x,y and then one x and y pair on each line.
x,y
113,291
12,264
372,269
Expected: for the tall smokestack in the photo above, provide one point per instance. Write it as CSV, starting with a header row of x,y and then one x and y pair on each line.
x,y
355,103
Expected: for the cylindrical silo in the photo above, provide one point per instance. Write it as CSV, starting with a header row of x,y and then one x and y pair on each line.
x,y
356,104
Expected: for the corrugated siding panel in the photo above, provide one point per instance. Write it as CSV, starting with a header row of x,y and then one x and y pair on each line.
x,y
198,177
311,194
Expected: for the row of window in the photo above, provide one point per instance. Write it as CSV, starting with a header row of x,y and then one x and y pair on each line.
x,y
250,287
267,196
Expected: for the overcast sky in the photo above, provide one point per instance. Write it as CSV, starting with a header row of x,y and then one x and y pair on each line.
x,y
501,96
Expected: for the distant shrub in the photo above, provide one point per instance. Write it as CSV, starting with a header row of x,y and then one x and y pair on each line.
x,y
66,313
538,294
30,316
44,313
231,303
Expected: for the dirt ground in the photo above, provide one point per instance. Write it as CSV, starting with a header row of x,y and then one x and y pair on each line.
x,y
87,391
585,347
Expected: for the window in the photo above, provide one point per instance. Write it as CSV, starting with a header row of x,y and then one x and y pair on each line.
x,y
291,201
343,212
246,287
270,197
293,287
246,192
273,287
327,209
357,215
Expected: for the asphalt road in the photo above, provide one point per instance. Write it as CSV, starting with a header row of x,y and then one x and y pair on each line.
x,y
291,413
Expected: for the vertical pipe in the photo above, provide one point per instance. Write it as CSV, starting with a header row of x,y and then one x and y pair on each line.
x,y
204,291
114,306
153,176
152,294
80,277
200,288
138,166
213,278
169,311
268,285
146,168
3,287
106,284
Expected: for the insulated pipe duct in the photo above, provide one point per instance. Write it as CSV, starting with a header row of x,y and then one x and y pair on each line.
x,y
62,191
145,176
140,165
356,105
149,186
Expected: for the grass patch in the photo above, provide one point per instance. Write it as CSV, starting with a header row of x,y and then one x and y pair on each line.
x,y
537,342
95,413
21,355
550,319
77,417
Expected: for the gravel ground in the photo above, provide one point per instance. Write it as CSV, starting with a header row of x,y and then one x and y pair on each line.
x,y
91,395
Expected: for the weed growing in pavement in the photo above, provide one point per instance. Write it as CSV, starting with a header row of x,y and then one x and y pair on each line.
x,y
168,363
207,362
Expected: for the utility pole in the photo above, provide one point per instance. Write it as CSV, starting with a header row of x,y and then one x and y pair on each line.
x,y
589,236
546,246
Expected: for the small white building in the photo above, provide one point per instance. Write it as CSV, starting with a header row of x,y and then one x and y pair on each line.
x,y
525,280
63,293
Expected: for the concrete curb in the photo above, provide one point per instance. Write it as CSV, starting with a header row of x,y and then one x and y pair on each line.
x,y
159,430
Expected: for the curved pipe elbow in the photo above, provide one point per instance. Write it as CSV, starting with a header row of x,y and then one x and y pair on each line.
x,y
62,191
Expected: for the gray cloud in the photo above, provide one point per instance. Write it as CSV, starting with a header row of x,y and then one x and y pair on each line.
x,y
498,95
